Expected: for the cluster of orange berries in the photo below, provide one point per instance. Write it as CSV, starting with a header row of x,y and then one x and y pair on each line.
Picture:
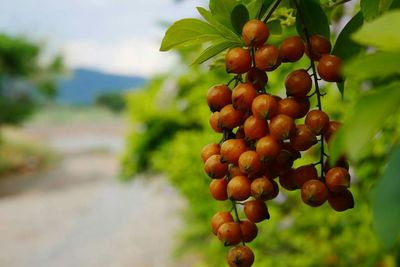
x,y
261,139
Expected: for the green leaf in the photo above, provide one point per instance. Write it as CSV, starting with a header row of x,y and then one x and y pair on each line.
x,y
275,27
314,17
188,30
214,50
265,7
385,202
346,48
378,65
253,6
365,120
222,10
225,32
381,33
239,16
370,9
340,86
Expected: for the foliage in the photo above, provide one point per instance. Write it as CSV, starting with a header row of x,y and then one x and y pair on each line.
x,y
113,101
171,126
22,79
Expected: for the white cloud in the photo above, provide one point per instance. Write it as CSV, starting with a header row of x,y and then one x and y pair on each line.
x,y
132,56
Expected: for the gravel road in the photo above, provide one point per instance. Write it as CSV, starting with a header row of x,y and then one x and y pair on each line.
x,y
79,214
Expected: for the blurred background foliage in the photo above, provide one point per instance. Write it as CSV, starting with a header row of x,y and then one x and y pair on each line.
x,y
170,126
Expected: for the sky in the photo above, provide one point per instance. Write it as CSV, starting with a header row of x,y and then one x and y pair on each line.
x,y
115,36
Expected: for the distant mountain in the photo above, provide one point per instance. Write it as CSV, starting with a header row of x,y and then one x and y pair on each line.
x,y
83,85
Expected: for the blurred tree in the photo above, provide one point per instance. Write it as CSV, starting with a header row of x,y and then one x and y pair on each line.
x,y
23,80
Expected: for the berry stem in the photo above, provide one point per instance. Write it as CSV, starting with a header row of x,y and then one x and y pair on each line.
x,y
237,219
315,77
271,11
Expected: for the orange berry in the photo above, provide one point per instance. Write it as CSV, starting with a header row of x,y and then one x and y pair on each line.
x,y
305,173
267,58
287,181
290,107
331,130
218,189
317,121
249,162
341,201
337,179
232,149
238,60
268,148
257,78
218,97
282,127
230,118
219,219
256,210
229,233
298,83
240,256
209,150
255,33
329,68
314,193
243,95
214,122
249,230
319,45
264,107
215,168
255,128
303,138
292,49
263,188
239,188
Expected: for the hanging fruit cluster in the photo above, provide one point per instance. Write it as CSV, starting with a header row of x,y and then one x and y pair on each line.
x,y
262,136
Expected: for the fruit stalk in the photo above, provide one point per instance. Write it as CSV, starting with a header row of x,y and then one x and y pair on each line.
x,y
315,78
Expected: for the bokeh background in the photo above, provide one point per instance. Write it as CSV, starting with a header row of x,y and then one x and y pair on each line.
x,y
100,136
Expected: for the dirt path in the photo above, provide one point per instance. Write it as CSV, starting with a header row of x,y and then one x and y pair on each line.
x,y
79,214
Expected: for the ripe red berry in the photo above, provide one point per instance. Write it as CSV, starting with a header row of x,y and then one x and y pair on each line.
x,y
230,118
263,188
214,122
317,121
218,97
329,68
249,230
240,256
219,219
292,49
215,168
264,107
218,189
303,138
238,60
304,106
287,180
268,148
256,210
298,83
229,233
232,149
250,162
341,201
209,150
239,188
319,45
257,78
314,193
305,173
267,58
255,33
243,95
255,128
281,127
290,107
337,179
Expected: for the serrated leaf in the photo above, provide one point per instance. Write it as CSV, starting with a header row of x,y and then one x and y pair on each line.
x,y
188,30
314,17
381,32
378,65
225,31
370,9
214,50
222,10
365,120
239,16
385,202
345,47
